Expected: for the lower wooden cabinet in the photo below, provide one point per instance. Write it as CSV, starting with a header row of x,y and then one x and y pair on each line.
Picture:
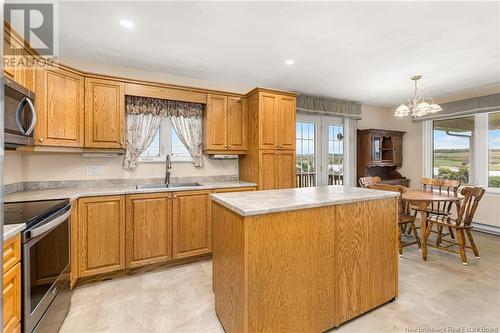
x,y
149,229
114,233
11,291
101,233
192,224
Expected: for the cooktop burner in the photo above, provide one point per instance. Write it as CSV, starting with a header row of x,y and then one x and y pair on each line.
x,y
31,212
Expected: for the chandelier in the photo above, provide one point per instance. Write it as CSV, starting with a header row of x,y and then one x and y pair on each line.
x,y
418,106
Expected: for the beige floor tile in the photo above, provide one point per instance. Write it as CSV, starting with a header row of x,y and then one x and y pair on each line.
x,y
438,293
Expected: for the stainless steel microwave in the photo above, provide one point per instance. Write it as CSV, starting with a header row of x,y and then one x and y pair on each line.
x,y
20,114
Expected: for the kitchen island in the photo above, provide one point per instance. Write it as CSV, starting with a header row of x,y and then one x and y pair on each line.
x,y
302,260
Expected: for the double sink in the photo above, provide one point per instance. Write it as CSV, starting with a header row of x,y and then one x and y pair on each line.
x,y
173,185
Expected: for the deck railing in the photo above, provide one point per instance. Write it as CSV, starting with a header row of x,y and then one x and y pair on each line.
x,y
308,179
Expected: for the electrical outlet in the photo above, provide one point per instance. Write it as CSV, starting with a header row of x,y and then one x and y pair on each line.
x,y
94,170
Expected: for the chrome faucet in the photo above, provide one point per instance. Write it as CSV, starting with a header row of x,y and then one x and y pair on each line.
x,y
168,166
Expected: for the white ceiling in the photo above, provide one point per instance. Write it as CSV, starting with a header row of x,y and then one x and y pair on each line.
x,y
363,51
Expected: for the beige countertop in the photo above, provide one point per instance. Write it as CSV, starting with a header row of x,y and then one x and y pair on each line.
x,y
75,193
11,230
264,202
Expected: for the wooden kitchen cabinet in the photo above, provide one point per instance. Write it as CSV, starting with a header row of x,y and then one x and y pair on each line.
x,y
104,113
101,235
11,289
192,224
225,125
148,229
60,108
276,169
276,121
285,160
215,123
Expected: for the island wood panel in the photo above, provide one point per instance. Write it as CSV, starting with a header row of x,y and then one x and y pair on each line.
x,y
163,92
192,224
290,264
307,270
215,123
60,108
237,123
11,252
11,296
74,245
149,229
101,232
267,121
366,254
104,113
285,122
228,270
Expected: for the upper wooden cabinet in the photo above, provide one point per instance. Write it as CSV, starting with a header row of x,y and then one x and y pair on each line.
x,y
149,229
60,108
225,124
276,121
104,113
271,129
192,224
101,235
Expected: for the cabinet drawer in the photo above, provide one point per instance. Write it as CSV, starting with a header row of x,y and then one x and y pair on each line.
x,y
11,252
12,298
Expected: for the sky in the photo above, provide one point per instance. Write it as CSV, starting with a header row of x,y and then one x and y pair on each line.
x,y
444,141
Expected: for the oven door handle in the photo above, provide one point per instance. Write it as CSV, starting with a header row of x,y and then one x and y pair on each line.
x,y
19,121
52,224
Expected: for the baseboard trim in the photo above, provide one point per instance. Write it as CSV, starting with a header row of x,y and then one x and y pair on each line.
x,y
488,229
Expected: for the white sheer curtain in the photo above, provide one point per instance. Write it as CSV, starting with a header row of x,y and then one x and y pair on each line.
x,y
141,130
189,132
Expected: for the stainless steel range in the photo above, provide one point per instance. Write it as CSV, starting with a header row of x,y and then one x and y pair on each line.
x,y
46,294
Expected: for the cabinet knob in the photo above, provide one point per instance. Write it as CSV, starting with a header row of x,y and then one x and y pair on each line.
x,y
41,139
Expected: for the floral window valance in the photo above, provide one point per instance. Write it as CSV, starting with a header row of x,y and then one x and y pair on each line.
x,y
162,107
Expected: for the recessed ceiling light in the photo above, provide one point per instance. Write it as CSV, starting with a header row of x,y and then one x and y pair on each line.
x,y
127,24
290,62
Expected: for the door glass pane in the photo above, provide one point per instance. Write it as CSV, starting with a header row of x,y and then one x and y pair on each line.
x,y
494,149
306,154
335,154
452,146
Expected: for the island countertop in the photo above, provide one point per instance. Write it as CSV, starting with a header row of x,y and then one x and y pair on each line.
x,y
272,201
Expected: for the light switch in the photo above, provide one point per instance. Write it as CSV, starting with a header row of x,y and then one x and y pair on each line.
x,y
94,170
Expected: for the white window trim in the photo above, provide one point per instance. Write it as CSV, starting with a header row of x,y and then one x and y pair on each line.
x,y
165,146
480,154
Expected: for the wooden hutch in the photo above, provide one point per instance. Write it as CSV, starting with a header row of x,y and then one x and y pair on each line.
x,y
380,153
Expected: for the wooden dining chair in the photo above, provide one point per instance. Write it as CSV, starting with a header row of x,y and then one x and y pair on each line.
x,y
442,186
366,181
462,224
405,217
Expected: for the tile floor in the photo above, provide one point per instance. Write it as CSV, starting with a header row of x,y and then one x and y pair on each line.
x,y
437,294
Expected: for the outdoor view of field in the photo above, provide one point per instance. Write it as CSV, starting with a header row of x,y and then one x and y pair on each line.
x,y
454,164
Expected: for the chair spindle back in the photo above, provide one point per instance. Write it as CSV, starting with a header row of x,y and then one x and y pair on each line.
x,y
448,186
472,196
366,181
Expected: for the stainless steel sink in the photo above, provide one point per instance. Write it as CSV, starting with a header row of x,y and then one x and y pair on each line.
x,y
173,185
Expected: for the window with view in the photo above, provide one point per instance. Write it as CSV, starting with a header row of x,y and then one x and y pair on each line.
x,y
494,150
452,148
166,141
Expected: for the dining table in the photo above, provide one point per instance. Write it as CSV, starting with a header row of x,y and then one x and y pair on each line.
x,y
421,199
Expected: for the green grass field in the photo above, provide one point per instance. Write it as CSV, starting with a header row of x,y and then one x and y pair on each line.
x,y
455,158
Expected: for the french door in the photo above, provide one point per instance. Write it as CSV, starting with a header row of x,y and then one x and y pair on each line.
x,y
320,150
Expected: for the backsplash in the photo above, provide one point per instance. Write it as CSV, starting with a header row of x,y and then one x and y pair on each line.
x,y
36,167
